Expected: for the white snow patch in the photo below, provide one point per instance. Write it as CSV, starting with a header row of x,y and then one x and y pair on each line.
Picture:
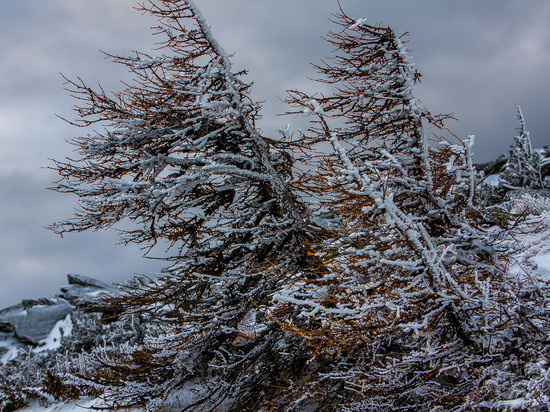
x,y
493,180
358,23
95,292
62,329
543,265
511,404
10,344
532,244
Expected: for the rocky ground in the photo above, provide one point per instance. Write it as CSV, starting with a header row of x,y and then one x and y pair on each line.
x,y
42,324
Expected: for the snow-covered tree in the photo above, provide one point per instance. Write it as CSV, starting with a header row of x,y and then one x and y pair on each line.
x,y
181,157
182,161
413,308
523,167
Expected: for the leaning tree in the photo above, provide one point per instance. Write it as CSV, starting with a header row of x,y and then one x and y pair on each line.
x,y
182,162
413,307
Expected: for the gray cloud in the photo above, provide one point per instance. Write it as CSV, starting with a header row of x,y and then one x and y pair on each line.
x,y
479,60
35,260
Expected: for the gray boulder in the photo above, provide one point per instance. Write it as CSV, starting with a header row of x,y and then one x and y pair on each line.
x,y
31,321
82,289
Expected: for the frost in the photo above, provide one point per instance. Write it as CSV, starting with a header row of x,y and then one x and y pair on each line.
x,y
358,23
530,205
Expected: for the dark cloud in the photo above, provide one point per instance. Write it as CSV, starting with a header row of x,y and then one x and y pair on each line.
x,y
479,59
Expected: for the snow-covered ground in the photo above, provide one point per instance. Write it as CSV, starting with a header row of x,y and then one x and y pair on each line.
x,y
531,239
85,404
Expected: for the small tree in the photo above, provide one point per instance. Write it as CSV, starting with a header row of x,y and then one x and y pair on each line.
x,y
523,167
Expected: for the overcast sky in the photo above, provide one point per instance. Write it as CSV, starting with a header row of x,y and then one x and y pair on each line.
x,y
478,59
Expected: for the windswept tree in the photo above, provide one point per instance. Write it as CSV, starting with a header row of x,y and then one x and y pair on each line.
x,y
413,308
181,157
182,161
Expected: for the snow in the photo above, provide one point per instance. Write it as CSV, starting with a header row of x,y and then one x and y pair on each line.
x,y
532,256
316,107
62,329
11,346
543,266
95,293
84,404
492,180
511,404
358,23
528,204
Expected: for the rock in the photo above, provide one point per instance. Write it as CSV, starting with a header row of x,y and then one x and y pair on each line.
x,y
545,167
31,324
86,281
82,290
32,320
38,336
